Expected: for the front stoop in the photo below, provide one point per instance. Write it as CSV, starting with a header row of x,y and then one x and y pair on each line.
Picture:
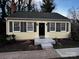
x,y
45,42
47,45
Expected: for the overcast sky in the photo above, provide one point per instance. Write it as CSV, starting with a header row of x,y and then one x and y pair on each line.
x,y
62,6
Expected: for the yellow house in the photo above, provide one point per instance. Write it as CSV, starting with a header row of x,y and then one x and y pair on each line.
x,y
30,25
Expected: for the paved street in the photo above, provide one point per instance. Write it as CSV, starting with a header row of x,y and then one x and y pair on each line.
x,y
37,54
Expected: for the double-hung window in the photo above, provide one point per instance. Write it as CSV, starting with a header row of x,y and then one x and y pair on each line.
x,y
16,26
30,26
62,26
21,26
52,26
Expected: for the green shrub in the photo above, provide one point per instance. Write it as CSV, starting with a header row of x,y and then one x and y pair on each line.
x,y
75,31
11,38
2,39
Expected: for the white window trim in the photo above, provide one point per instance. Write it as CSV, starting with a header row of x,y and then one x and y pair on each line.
x,y
60,26
19,27
27,27
50,26
65,28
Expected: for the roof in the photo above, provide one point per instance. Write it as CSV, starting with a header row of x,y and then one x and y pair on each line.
x,y
38,15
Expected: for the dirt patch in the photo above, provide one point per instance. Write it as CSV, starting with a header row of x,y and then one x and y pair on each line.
x,y
66,43
20,46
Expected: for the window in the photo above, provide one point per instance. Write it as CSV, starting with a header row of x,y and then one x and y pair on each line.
x,y
16,26
23,26
10,26
58,29
52,26
62,26
30,26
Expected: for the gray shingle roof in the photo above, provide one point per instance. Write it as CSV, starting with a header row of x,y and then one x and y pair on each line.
x,y
38,15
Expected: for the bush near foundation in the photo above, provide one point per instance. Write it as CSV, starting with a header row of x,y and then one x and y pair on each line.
x,y
75,31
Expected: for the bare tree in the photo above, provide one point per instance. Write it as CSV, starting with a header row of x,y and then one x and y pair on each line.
x,y
23,5
29,5
73,13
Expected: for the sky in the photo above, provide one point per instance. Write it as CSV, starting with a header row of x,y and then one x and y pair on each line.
x,y
62,6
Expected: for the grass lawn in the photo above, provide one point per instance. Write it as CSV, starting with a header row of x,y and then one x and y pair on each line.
x,y
66,43
19,46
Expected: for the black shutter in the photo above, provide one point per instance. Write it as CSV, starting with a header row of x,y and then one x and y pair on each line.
x,y
35,26
67,27
10,27
58,27
23,26
48,27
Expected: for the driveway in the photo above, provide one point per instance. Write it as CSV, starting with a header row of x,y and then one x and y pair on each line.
x,y
68,52
37,54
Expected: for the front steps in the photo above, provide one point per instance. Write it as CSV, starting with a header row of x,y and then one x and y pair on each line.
x,y
44,42
47,45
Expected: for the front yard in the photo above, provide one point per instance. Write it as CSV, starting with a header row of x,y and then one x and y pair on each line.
x,y
29,45
66,43
19,46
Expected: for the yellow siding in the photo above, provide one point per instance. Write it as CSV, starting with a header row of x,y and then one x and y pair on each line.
x,y
32,35
58,34
24,36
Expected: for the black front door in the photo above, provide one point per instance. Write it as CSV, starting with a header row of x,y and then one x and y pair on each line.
x,y
41,29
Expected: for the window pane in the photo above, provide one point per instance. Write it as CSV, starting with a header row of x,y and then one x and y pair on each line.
x,y
30,26
10,26
16,26
62,26
67,27
58,27
52,26
23,26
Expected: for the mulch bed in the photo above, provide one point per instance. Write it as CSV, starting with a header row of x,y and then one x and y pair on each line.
x,y
66,43
19,46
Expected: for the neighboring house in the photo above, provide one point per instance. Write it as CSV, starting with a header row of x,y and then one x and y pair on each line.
x,y
30,25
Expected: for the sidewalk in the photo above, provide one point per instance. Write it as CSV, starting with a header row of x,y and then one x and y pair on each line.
x,y
37,54
68,52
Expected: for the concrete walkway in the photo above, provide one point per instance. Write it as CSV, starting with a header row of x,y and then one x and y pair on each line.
x,y
68,52
37,54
